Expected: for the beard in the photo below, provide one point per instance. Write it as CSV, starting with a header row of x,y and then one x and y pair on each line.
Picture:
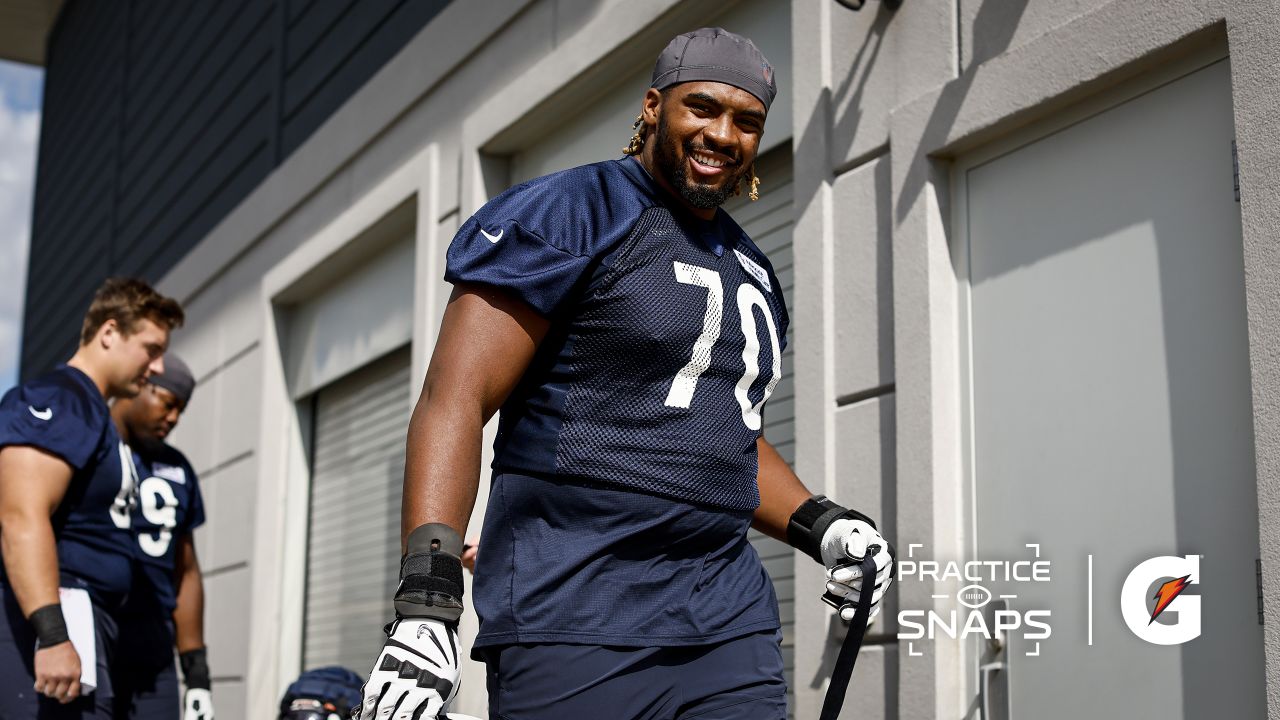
x,y
670,164
152,443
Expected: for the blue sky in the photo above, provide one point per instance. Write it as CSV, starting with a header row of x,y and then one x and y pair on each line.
x,y
21,92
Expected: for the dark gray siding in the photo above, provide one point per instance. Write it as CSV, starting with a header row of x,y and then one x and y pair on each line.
x,y
160,116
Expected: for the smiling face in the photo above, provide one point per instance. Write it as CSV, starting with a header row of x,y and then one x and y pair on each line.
x,y
702,139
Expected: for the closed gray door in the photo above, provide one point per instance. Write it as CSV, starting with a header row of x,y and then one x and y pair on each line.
x,y
768,221
1111,407
353,536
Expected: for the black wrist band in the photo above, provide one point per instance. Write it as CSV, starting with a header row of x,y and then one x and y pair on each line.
x,y
50,625
809,523
431,574
195,668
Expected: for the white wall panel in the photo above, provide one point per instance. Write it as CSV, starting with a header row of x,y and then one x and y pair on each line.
x,y
863,279
361,316
228,495
227,607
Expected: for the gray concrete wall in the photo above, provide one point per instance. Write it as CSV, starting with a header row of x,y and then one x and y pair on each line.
x,y
882,102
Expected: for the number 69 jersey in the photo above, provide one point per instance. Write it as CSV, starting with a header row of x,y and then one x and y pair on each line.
x,y
169,506
665,342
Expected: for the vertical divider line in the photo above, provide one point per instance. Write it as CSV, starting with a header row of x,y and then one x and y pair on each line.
x,y
1090,585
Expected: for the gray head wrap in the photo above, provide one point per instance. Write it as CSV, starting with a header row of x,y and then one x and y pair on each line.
x,y
176,378
715,55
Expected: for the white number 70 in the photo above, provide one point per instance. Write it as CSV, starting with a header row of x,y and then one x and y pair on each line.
x,y
748,297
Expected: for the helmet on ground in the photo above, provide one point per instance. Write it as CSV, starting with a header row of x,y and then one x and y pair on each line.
x,y
326,693
329,693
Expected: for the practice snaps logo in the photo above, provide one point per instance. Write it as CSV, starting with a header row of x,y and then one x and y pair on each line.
x,y
1175,617
982,613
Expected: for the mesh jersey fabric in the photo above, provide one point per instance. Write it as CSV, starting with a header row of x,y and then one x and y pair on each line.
x,y
666,336
62,412
636,420
169,507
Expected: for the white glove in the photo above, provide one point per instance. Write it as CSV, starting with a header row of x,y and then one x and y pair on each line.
x,y
198,704
418,668
844,545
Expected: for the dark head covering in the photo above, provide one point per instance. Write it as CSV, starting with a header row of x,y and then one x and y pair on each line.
x,y
176,378
715,55
316,693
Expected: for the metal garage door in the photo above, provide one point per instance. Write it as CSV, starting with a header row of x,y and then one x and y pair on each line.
x,y
353,536
768,221
1111,408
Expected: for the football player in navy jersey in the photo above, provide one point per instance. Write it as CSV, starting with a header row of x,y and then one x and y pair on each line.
x,y
67,484
629,332
166,607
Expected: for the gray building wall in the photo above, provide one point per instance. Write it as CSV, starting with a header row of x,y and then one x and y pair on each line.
x,y
883,104
160,117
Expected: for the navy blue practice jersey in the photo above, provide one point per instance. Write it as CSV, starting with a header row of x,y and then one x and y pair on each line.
x,y
666,338
625,462
169,507
63,413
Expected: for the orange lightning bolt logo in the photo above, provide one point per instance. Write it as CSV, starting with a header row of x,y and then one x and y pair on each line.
x,y
1166,594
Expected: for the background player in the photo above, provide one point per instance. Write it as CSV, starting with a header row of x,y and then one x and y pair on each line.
x,y
66,486
166,606
631,333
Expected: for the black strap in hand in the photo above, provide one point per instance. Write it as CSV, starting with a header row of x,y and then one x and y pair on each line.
x,y
843,670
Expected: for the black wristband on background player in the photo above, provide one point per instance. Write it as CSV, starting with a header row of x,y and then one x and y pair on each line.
x,y
195,668
809,523
50,625
431,574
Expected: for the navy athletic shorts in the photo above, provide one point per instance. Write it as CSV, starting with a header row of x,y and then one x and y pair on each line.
x,y
738,679
146,681
18,698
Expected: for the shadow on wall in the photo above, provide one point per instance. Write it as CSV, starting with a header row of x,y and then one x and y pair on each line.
x,y
993,30
822,118
844,125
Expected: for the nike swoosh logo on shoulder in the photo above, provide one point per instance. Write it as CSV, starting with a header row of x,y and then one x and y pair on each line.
x,y
492,238
44,414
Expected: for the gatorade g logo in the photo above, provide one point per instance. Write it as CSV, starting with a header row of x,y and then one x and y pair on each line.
x,y
1163,579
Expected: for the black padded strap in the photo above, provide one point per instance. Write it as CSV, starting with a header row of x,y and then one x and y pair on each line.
x,y
809,523
431,574
195,668
848,656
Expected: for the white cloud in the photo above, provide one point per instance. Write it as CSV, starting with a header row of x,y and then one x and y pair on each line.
x,y
19,132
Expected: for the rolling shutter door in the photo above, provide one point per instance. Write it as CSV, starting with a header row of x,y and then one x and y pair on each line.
x,y
353,535
768,221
